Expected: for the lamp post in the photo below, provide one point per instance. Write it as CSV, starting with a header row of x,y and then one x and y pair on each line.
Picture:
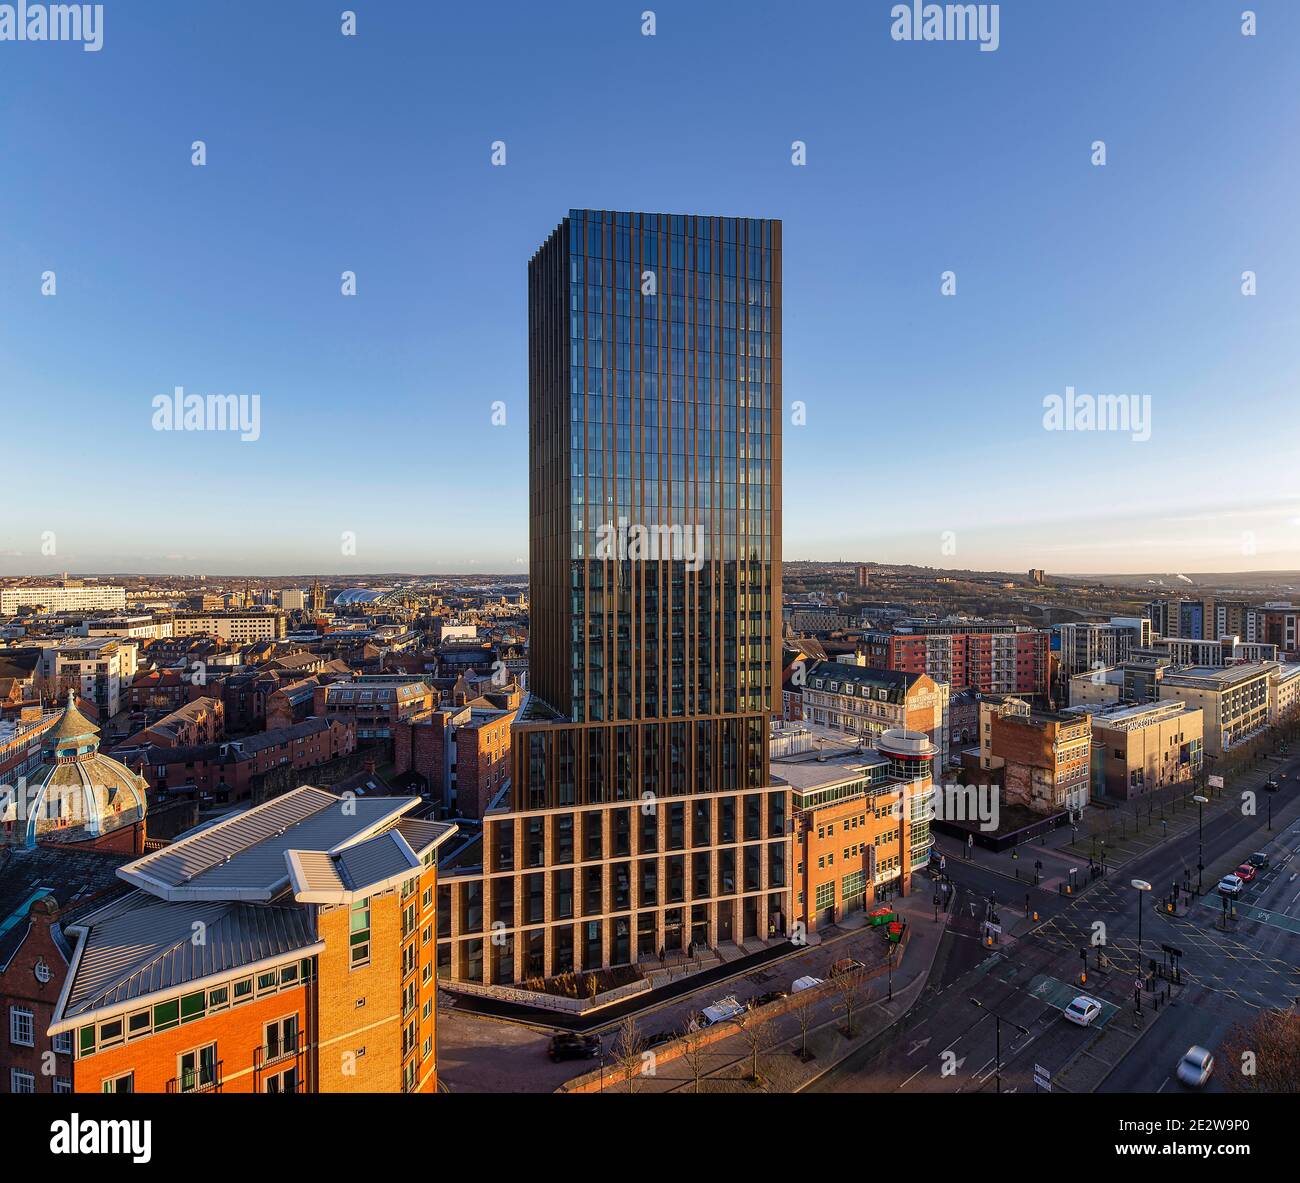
x,y
997,1028
1201,802
1140,886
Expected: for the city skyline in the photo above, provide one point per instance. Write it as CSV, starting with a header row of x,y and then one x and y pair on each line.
x,y
233,283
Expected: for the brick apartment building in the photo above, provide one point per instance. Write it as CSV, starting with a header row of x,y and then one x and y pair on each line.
x,y
1042,759
38,888
993,658
316,971
229,770
862,823
198,722
865,702
462,753
375,703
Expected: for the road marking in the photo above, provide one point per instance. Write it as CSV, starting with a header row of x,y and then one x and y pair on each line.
x,y
910,1079
918,1045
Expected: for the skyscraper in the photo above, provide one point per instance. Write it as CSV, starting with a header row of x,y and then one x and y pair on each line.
x,y
641,815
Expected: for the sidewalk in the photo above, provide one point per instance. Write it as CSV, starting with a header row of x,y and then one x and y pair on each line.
x,y
725,1066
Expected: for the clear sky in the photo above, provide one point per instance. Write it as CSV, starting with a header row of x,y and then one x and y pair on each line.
x,y
924,438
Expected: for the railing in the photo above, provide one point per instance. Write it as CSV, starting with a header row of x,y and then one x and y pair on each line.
x,y
198,1080
277,1057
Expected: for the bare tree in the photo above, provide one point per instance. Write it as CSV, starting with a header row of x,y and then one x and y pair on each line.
x,y
694,1055
804,1010
751,1030
628,1046
848,986
1263,1054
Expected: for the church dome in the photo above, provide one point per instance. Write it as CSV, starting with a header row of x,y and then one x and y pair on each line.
x,y
76,795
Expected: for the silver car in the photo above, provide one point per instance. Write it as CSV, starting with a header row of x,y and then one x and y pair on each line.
x,y
1195,1067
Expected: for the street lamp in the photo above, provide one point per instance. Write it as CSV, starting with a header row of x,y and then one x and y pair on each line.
x,y
1140,886
1201,802
997,1027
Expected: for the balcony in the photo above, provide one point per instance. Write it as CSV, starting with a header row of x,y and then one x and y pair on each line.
x,y
206,1079
278,1056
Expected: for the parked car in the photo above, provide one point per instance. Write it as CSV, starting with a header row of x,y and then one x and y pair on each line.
x,y
846,965
1083,1010
659,1038
805,983
721,1011
770,996
1258,859
571,1046
1195,1067
1246,872
1230,885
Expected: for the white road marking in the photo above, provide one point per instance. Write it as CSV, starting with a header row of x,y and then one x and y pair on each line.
x,y
911,1078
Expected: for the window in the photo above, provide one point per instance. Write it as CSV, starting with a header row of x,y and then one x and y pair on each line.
x,y
139,1024
21,1028
360,933
196,1070
266,983
219,998
62,1043
825,895
281,1038
62,1085
111,1033
21,1082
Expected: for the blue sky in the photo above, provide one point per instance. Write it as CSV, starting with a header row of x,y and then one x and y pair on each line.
x,y
372,154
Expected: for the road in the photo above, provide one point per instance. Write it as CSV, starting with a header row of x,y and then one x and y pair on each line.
x,y
948,1043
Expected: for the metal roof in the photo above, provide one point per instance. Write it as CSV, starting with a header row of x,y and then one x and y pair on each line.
x,y
244,858
139,945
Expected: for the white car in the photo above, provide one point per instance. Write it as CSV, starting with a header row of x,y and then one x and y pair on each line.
x,y
721,1011
1230,885
805,983
1195,1067
1083,1010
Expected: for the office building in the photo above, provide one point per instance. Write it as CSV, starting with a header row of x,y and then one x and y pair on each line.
x,y
641,814
1138,748
63,598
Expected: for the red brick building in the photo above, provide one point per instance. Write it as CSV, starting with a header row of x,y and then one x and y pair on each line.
x,y
462,753
316,968
993,658
227,771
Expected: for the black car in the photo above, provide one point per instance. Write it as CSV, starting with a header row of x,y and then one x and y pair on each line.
x,y
568,1046
659,1038
1258,859
770,996
1271,785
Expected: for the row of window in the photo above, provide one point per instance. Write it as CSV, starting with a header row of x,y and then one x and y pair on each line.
x,y
187,1008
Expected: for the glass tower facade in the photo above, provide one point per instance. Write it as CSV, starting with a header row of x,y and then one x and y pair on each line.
x,y
642,819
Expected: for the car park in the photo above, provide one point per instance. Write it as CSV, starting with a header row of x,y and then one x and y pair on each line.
x,y
568,1045
1083,1011
1246,872
1195,1067
1230,885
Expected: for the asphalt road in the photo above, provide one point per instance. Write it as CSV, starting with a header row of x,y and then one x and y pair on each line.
x,y
947,1043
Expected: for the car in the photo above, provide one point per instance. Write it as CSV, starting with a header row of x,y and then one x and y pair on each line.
x,y
568,1045
1258,859
1247,872
805,983
1083,1010
846,965
770,996
1195,1067
1230,885
721,1011
659,1038
1271,785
